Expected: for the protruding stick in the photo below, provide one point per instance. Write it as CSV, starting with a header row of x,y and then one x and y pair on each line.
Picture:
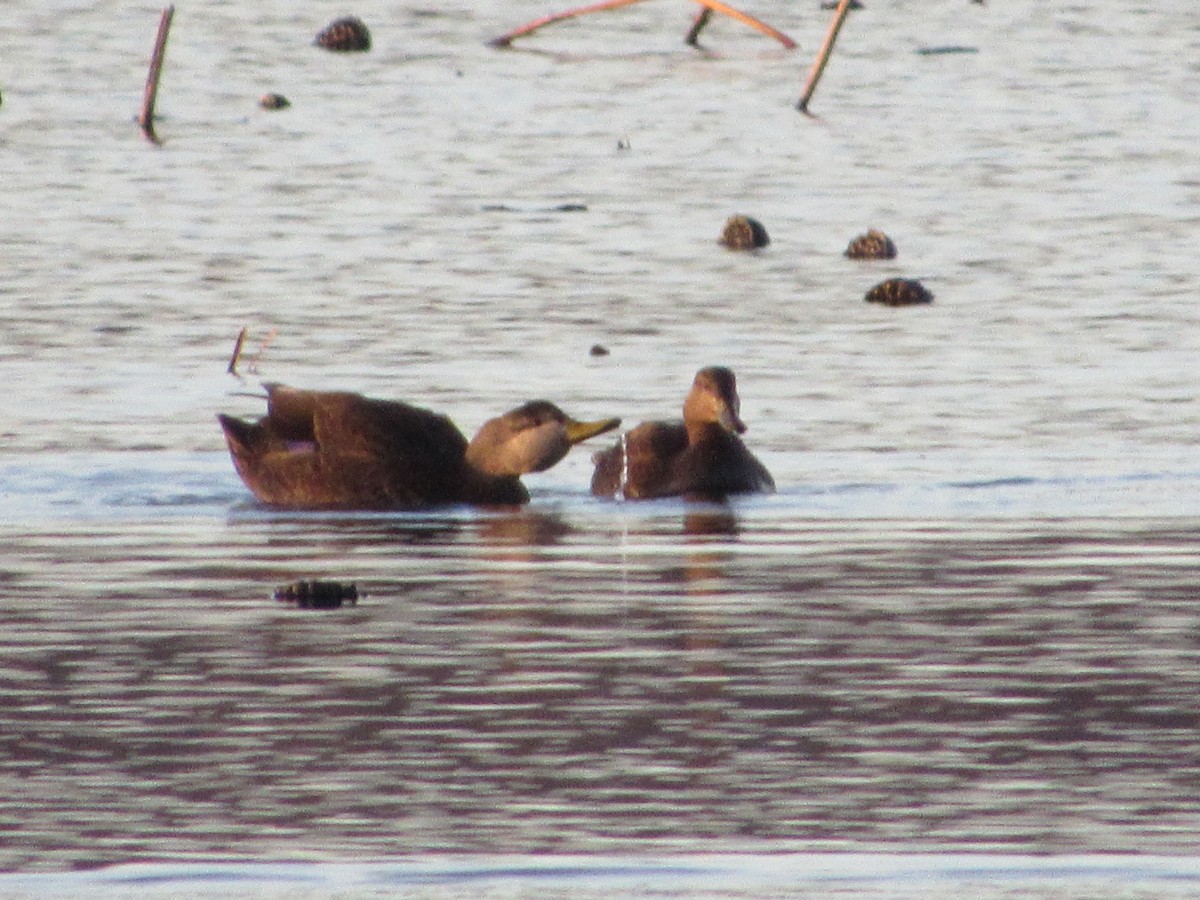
x,y
266,342
693,35
505,39
823,55
237,352
745,19
146,119
701,20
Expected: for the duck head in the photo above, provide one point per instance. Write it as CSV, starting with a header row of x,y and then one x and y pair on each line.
x,y
530,438
713,399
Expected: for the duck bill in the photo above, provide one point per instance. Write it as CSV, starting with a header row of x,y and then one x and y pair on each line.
x,y
731,422
581,431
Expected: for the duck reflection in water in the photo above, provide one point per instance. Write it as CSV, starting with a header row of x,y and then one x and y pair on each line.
x,y
338,450
701,457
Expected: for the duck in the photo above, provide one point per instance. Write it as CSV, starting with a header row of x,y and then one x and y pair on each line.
x,y
872,245
899,292
702,457
341,450
744,233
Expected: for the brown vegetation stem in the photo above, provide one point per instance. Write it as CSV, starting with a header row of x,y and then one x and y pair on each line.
x,y
146,119
237,352
818,67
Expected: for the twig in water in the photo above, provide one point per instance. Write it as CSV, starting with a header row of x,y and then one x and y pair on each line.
x,y
253,365
710,6
237,352
146,119
818,67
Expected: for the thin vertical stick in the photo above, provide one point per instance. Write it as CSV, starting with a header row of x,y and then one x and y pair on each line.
x,y
237,352
823,55
693,36
146,119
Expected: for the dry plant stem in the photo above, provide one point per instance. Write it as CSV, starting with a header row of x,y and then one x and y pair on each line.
x,y
262,349
237,352
693,36
818,67
701,20
146,119
506,39
745,19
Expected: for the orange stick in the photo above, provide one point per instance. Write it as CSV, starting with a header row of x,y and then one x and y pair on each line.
x,y
505,39
717,6
814,74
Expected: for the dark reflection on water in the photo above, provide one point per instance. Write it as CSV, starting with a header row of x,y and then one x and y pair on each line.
x,y
540,681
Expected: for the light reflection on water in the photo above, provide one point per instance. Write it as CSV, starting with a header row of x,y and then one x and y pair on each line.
x,y
964,622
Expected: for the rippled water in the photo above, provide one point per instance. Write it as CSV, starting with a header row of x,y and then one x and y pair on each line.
x,y
966,622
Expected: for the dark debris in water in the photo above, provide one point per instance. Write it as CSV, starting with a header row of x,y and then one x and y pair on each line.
x,y
945,51
274,101
559,208
317,594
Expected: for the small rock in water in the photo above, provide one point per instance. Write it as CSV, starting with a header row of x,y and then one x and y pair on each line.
x,y
899,292
744,233
872,245
274,101
346,35
317,594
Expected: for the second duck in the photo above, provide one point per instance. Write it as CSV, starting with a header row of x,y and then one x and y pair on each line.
x,y
701,457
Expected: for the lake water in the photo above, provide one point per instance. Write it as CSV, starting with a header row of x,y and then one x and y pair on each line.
x,y
959,650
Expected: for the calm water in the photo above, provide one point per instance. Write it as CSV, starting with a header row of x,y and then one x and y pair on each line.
x,y
965,625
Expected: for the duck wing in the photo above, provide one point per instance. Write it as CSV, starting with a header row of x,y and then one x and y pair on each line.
x,y
387,453
327,449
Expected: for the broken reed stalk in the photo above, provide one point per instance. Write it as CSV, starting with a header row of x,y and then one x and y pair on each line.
x,y
710,6
262,348
818,67
237,352
693,36
146,119
745,19
505,39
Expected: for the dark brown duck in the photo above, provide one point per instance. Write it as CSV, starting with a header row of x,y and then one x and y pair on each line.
x,y
336,450
701,457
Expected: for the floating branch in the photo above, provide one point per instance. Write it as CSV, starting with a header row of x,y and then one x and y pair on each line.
x,y
818,67
146,119
710,6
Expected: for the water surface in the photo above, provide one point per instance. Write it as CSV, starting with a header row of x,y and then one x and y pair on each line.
x,y
964,625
